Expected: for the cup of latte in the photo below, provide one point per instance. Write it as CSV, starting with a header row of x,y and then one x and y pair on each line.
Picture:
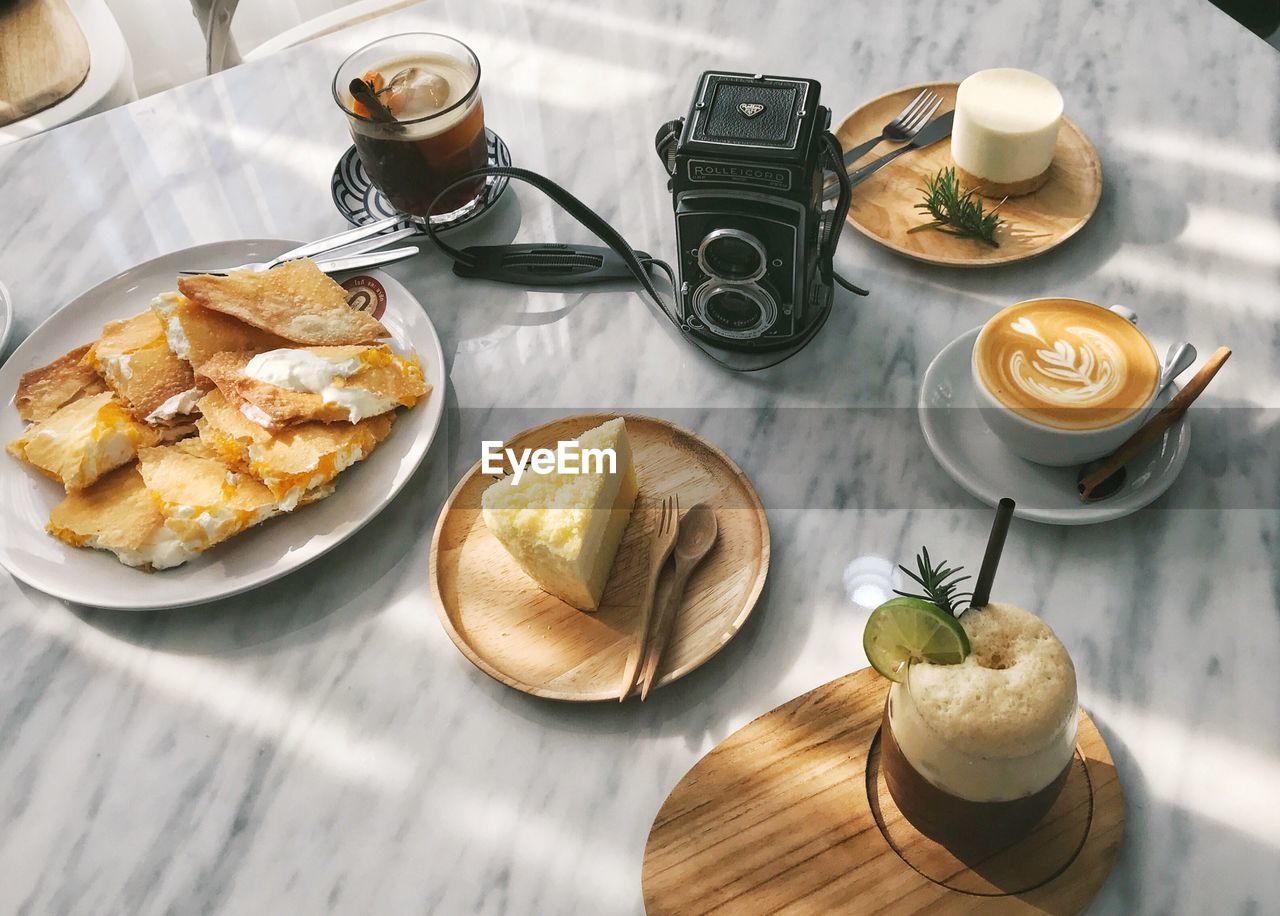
x,y
1063,381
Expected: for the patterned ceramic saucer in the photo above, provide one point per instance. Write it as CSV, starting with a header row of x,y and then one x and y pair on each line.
x,y
360,202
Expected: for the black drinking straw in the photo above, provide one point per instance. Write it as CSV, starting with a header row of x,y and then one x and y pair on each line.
x,y
991,559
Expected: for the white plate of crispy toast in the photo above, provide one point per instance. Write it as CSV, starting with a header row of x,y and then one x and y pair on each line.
x,y
253,425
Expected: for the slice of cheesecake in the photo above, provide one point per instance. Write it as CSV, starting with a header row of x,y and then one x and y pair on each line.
x,y
564,529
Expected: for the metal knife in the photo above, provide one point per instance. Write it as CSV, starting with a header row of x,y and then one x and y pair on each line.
x,y
370,259
937,129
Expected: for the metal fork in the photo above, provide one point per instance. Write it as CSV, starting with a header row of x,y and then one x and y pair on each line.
x,y
339,248
905,125
664,539
328,265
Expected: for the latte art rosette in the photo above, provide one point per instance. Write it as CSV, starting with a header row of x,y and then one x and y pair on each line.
x,y
1071,366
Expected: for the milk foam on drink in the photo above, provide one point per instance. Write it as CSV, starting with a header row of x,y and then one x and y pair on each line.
x,y
998,726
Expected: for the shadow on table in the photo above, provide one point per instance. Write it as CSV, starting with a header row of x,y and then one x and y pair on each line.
x,y
1163,834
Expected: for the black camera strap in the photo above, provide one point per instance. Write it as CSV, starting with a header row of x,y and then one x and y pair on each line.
x,y
545,264
552,264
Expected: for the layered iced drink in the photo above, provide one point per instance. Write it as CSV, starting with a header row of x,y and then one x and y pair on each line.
x,y
976,752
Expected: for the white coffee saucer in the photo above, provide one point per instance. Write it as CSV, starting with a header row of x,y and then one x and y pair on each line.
x,y
979,462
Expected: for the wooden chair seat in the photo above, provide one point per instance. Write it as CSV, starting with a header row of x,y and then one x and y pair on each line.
x,y
44,56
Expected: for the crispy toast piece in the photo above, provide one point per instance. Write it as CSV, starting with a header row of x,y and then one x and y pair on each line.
x,y
296,301
357,382
195,334
204,501
134,357
175,503
43,390
84,440
118,514
293,461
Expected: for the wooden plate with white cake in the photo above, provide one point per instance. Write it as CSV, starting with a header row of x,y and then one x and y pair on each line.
x,y
884,206
512,629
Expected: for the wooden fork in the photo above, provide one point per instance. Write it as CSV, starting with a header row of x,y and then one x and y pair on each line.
x,y
664,539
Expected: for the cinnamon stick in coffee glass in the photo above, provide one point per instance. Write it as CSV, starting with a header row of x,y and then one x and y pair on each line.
x,y
430,85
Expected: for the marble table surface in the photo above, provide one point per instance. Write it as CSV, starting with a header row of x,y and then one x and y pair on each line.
x,y
319,744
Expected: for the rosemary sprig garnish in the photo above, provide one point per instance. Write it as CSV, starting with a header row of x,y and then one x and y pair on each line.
x,y
955,211
939,583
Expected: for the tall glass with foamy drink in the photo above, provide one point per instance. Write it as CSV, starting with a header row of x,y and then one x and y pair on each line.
x,y
430,85
975,753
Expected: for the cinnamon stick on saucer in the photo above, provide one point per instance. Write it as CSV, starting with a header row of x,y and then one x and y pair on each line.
x,y
1152,429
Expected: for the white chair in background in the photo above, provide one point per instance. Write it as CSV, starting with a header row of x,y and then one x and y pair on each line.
x,y
215,18
335,21
108,83
160,38
175,42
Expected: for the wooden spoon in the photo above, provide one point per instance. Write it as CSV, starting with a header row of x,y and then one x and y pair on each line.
x,y
698,532
1099,472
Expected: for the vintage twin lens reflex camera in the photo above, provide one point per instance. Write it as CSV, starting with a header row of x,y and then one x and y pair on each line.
x,y
755,246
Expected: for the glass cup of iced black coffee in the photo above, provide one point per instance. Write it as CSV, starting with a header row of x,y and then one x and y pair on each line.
x,y
427,126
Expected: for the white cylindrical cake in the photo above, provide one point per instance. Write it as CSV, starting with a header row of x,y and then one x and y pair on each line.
x,y
1005,131
999,726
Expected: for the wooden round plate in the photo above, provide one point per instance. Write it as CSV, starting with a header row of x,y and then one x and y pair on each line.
x,y
518,634
791,813
883,207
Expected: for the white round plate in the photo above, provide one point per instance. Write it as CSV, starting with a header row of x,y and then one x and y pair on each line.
x,y
6,318
976,459
259,555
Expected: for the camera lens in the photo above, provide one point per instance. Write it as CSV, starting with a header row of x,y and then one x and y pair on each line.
x,y
731,254
732,309
737,312
732,259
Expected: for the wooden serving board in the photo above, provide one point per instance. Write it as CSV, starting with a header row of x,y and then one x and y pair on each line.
x,y
790,814
44,56
883,206
517,633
